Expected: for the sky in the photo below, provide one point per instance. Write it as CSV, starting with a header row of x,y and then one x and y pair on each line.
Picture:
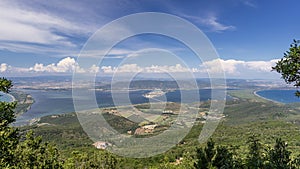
x,y
46,37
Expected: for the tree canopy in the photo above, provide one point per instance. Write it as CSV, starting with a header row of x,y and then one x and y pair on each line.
x,y
29,153
289,66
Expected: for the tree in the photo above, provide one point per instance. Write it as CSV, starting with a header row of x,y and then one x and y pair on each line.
x,y
187,162
8,135
5,85
30,153
205,156
97,159
279,156
33,153
254,158
289,66
223,159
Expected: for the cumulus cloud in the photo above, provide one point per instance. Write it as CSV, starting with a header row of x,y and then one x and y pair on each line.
x,y
228,66
231,68
63,66
126,68
3,67
159,69
263,66
236,67
93,69
131,68
107,69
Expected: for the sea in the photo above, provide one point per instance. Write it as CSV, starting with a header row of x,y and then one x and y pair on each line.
x,y
6,97
282,96
50,102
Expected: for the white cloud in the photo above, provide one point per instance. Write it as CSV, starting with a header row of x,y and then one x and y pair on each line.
x,y
3,67
113,53
263,66
21,24
231,68
237,67
27,26
65,65
211,22
126,68
132,68
160,69
228,66
215,25
107,69
249,3
94,69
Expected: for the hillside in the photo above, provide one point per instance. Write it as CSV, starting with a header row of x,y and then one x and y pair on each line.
x,y
244,116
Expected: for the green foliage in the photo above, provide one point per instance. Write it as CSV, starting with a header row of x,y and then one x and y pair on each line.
x,y
188,161
5,85
17,151
97,159
32,153
243,119
205,156
211,157
202,161
8,142
255,157
279,156
8,135
7,115
210,150
223,159
289,66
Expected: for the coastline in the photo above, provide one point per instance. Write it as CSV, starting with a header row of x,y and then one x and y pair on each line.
x,y
12,97
24,101
255,93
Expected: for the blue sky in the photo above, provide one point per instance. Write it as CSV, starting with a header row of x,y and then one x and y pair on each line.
x,y
45,37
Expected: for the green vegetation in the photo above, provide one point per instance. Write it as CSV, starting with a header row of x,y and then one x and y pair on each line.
x,y
24,102
245,116
250,136
31,152
289,66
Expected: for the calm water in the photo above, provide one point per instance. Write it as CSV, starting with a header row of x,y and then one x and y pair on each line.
x,y
283,96
48,102
5,97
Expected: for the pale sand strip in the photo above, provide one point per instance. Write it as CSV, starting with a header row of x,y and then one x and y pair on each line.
x,y
255,93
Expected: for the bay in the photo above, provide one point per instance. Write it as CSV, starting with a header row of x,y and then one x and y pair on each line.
x,y
6,97
282,96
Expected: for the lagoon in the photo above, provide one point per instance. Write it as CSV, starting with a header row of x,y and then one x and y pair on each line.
x,y
49,102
